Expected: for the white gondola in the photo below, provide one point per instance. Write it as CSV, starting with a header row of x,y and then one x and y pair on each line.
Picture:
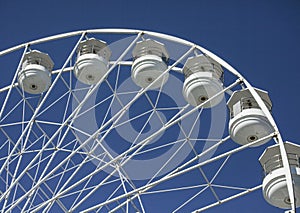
x,y
150,61
92,61
203,79
35,75
248,122
274,188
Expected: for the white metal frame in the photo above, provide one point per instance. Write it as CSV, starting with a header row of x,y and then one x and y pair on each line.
x,y
137,192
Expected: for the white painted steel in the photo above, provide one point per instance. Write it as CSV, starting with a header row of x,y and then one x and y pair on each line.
x,y
132,196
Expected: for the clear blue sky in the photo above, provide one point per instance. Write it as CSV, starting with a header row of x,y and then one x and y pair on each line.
x,y
260,38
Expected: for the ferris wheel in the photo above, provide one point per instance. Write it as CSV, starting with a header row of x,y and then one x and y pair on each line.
x,y
120,120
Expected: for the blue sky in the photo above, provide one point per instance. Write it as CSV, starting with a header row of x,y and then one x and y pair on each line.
x,y
260,38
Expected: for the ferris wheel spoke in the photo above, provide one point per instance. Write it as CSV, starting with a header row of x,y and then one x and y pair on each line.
x,y
171,143
125,191
11,111
78,167
73,167
52,104
230,187
93,107
174,189
48,123
13,124
209,184
139,198
132,119
220,168
9,143
79,195
228,199
39,182
194,124
12,83
155,104
6,88
114,97
203,175
168,161
112,194
190,199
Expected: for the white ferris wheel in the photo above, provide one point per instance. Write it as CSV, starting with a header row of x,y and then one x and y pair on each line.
x,y
119,120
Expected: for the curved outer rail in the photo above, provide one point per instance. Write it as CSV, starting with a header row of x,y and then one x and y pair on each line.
x,y
260,102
